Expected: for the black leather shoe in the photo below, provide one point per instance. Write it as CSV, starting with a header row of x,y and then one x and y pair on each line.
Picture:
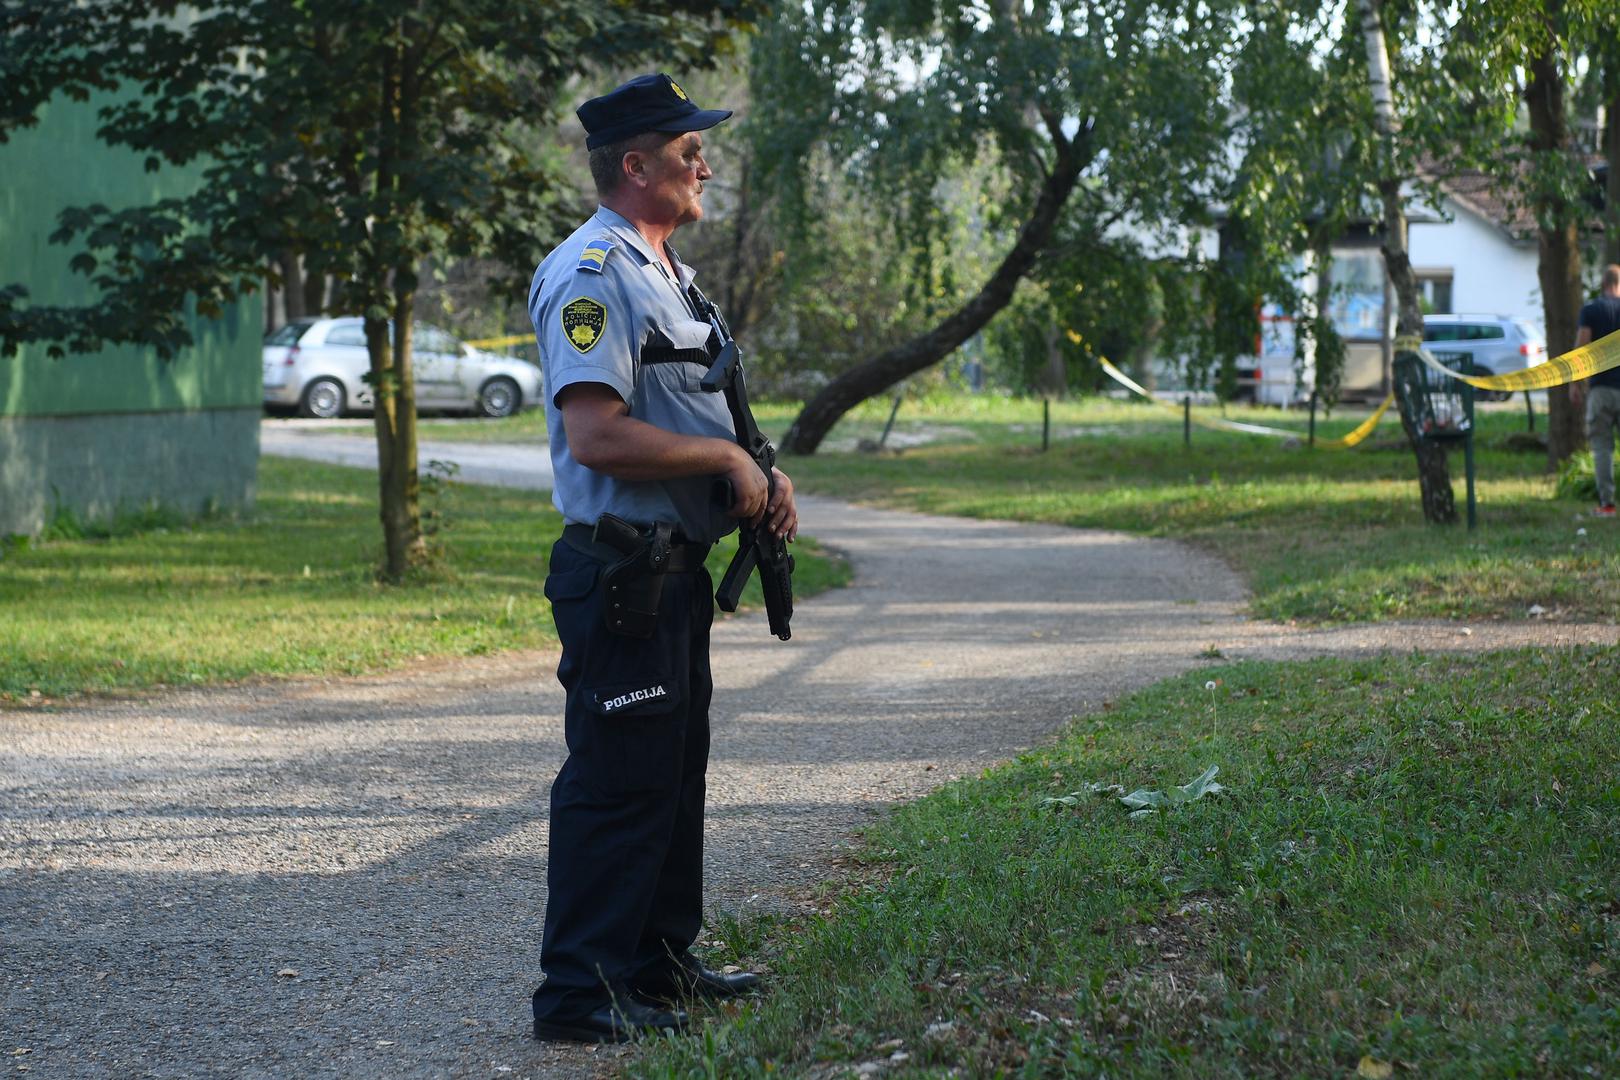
x,y
693,980
616,1023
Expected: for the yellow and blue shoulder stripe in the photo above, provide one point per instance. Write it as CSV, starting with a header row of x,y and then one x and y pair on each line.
x,y
595,254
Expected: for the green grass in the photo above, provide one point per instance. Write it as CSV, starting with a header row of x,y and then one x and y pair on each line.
x,y
1414,862
1322,536
288,591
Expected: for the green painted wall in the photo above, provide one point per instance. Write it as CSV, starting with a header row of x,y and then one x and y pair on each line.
x,y
60,163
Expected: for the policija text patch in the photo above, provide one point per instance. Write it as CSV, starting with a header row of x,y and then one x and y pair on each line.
x,y
583,321
617,701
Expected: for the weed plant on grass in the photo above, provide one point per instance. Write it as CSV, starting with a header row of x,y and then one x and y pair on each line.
x,y
1413,863
289,591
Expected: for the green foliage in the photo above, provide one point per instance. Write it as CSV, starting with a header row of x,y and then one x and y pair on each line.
x,y
1412,863
1577,477
908,104
66,524
439,488
1092,298
1486,68
365,136
840,299
370,138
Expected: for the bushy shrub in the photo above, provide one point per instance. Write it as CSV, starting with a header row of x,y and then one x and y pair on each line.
x,y
1577,479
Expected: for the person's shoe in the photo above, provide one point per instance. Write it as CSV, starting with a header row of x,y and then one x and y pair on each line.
x,y
615,1023
693,980
1604,510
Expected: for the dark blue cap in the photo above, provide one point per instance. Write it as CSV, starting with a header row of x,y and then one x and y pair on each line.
x,y
645,103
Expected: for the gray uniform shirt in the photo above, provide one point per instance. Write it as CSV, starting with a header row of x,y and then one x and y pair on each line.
x,y
596,301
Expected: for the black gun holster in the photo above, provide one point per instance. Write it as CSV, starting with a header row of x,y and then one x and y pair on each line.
x,y
635,564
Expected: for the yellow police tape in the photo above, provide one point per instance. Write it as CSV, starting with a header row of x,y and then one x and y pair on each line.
x,y
501,342
1219,423
1579,363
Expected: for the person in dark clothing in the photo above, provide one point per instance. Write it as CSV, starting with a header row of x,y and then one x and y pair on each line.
x,y
1601,393
636,450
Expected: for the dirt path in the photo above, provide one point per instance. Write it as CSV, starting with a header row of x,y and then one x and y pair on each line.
x,y
345,877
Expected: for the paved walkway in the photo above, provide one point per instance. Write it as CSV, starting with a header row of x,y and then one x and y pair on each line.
x,y
332,878
481,463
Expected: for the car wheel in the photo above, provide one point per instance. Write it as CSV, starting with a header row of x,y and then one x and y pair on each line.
x,y
499,397
323,398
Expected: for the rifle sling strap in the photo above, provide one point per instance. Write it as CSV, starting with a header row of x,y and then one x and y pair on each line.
x,y
667,354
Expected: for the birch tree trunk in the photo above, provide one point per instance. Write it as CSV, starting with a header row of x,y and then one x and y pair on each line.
x,y
1434,478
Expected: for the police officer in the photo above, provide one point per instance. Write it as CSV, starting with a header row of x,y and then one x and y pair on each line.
x,y
636,448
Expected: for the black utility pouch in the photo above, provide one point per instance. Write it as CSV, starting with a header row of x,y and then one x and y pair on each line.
x,y
635,583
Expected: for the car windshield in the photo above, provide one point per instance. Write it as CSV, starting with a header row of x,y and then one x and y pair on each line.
x,y
430,339
289,334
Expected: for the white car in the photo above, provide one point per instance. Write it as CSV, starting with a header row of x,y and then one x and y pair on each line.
x,y
318,367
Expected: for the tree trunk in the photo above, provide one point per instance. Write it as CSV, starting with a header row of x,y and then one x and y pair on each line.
x,y
275,312
394,412
314,294
1146,345
1559,241
873,377
1434,477
1611,153
1054,379
292,285
1327,347
394,383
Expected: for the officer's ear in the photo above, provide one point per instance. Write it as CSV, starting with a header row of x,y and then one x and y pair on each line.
x,y
633,167
636,164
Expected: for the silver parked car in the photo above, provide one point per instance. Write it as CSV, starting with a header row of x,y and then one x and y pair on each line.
x,y
318,366
1493,344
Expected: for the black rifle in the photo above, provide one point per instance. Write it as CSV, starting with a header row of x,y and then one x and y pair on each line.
x,y
756,545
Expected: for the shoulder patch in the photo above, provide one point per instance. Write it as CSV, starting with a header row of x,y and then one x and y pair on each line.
x,y
595,254
583,320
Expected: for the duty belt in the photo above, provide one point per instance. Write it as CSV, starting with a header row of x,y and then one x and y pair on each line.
x,y
636,563
683,557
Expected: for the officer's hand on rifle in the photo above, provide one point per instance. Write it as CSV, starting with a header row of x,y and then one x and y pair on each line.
x,y
782,512
749,489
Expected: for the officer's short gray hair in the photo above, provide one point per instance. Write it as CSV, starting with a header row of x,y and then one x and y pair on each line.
x,y
607,161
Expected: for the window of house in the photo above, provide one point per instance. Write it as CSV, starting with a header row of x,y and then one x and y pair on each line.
x,y
1435,290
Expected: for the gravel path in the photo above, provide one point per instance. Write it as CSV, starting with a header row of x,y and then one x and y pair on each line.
x,y
345,878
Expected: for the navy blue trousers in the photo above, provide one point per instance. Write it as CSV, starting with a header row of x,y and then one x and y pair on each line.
x,y
625,876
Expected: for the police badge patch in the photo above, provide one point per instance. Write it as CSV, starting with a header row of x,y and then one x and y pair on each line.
x,y
675,86
583,321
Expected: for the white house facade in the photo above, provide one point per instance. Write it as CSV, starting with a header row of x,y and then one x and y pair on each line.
x,y
1477,260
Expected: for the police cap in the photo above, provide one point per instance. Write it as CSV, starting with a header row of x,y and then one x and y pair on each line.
x,y
645,103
